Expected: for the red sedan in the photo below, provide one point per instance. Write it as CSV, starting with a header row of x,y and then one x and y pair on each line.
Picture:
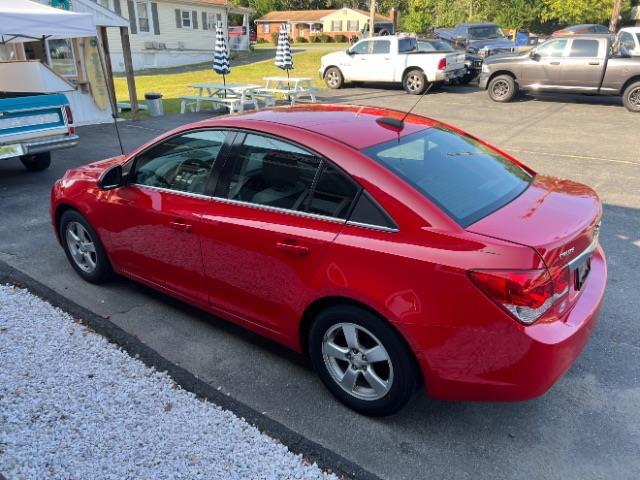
x,y
392,253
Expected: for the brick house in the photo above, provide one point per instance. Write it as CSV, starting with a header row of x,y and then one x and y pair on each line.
x,y
306,23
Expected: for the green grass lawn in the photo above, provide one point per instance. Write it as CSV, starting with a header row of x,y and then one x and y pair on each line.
x,y
174,85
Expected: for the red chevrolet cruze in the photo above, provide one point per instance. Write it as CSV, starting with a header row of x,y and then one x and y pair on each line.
x,y
391,252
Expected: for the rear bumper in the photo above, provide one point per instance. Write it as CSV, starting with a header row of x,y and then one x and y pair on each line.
x,y
530,363
48,144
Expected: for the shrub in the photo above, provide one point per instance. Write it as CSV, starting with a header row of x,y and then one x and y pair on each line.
x,y
340,38
324,38
301,40
274,38
315,38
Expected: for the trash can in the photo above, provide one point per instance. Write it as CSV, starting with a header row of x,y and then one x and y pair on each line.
x,y
154,104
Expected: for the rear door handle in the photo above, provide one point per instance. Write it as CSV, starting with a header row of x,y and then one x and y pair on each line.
x,y
554,63
296,250
179,225
594,63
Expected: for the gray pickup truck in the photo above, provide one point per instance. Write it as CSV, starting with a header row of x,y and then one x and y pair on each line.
x,y
585,64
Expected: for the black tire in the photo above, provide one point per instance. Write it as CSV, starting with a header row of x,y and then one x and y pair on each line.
x,y
398,370
333,78
631,97
37,162
414,82
467,78
502,88
102,270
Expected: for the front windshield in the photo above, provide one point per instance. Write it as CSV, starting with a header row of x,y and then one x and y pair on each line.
x,y
463,177
488,31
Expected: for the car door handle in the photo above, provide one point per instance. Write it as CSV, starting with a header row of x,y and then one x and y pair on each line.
x,y
594,63
183,227
554,63
291,249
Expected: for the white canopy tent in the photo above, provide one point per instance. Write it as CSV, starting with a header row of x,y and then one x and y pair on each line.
x,y
23,19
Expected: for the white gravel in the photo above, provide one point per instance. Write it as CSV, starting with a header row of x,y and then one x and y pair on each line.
x,y
73,406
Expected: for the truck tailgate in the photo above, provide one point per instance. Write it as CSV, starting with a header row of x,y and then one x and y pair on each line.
x,y
455,61
33,116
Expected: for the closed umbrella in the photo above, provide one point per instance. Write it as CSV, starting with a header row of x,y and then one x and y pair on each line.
x,y
283,51
221,55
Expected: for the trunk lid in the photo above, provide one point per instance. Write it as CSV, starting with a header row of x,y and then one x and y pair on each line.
x,y
558,218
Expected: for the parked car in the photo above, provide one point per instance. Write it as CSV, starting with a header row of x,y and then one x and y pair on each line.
x,y
629,38
583,29
32,123
391,59
479,40
390,252
580,64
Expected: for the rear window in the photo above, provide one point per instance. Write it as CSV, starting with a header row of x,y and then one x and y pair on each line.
x,y
467,180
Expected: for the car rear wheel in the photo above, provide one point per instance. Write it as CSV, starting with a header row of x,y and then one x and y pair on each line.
x,y
37,162
414,82
333,78
502,88
83,248
631,97
362,360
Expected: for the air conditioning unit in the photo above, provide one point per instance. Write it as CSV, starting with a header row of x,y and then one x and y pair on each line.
x,y
156,45
181,46
148,45
162,46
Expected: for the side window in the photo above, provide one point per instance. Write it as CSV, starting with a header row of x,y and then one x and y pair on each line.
x,y
626,39
181,163
381,46
333,193
361,47
269,172
368,212
554,48
584,48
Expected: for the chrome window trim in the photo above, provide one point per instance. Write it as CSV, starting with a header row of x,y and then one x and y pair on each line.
x,y
373,227
169,190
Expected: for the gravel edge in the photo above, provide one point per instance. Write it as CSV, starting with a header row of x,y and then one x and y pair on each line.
x,y
325,459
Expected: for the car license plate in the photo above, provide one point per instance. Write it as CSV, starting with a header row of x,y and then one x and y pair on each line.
x,y
8,151
582,272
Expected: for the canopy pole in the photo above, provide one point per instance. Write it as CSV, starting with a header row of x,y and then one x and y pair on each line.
x,y
112,97
128,68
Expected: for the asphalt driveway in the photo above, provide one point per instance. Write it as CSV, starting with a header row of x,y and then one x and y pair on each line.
x,y
587,426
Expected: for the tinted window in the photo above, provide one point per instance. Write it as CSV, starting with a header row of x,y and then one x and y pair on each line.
x,y
488,31
368,212
381,46
463,177
180,163
600,29
434,46
554,48
333,193
407,45
584,48
361,47
626,39
269,172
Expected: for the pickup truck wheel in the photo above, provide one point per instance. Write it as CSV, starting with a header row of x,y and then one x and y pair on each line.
x,y
631,97
414,82
37,162
333,78
502,88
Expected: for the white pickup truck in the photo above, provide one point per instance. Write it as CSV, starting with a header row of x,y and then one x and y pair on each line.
x,y
391,59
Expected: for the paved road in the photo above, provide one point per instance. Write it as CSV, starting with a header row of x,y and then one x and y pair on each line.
x,y
587,426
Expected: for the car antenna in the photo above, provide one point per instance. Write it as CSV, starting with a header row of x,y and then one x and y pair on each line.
x,y
396,124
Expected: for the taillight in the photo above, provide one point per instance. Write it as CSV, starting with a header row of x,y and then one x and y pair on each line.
x,y
69,113
442,64
525,294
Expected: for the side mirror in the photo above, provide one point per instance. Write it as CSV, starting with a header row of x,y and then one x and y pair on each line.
x,y
112,178
350,52
534,55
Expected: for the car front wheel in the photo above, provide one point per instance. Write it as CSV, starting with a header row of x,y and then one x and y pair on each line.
x,y
362,360
631,97
333,78
37,162
502,88
83,248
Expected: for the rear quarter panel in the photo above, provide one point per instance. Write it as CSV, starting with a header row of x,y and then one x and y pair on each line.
x,y
618,72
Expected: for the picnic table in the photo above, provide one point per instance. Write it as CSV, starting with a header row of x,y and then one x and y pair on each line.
x,y
291,87
233,96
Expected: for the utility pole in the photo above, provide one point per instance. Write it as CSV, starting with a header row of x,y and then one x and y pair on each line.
x,y
615,16
372,18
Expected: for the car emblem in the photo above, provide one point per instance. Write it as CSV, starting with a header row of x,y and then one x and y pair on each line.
x,y
566,253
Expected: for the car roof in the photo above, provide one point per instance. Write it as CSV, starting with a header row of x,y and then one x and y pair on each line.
x,y
630,29
353,125
486,24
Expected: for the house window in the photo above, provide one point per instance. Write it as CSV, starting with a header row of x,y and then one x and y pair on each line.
x,y
336,25
144,15
106,4
265,28
61,57
212,20
186,18
353,25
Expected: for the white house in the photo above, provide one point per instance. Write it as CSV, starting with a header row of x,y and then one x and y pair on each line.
x,y
170,33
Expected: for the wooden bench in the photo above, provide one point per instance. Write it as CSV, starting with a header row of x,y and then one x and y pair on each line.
x,y
232,103
127,106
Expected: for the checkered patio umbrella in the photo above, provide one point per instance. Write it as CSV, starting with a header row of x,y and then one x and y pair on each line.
x,y
283,50
221,54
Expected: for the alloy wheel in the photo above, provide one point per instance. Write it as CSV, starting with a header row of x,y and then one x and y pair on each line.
x,y
414,83
81,247
357,361
634,97
500,89
332,79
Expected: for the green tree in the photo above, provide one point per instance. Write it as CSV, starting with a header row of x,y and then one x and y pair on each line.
x,y
578,11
